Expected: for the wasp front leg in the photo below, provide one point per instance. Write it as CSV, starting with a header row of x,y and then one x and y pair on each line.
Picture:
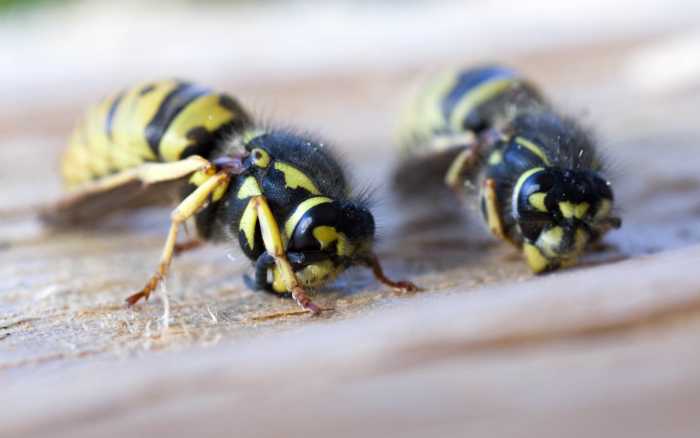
x,y
465,160
469,157
492,211
274,247
259,281
187,208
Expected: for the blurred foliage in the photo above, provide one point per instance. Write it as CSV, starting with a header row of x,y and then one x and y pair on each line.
x,y
13,6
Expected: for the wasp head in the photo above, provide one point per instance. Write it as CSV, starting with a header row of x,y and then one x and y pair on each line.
x,y
559,212
327,236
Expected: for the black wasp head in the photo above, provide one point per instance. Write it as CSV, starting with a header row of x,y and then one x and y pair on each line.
x,y
342,229
560,211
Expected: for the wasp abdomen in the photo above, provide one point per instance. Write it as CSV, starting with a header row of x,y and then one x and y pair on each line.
x,y
160,121
469,101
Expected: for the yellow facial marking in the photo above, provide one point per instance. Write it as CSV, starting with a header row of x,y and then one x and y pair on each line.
x,y
316,274
567,209
581,210
550,241
475,97
325,235
537,201
301,209
534,258
311,275
495,158
570,210
532,147
294,178
249,188
260,157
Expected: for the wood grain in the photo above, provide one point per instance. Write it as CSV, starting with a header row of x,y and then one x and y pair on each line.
x,y
609,348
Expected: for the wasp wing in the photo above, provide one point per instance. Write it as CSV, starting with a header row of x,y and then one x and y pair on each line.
x,y
149,184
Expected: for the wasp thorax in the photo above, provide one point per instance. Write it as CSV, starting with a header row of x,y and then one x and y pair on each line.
x,y
559,212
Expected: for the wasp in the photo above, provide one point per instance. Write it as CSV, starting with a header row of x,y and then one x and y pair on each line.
x,y
281,194
539,175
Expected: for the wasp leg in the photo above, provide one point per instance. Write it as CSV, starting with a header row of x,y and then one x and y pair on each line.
x,y
265,262
149,173
493,213
298,260
187,208
465,161
259,281
399,286
273,245
454,178
187,246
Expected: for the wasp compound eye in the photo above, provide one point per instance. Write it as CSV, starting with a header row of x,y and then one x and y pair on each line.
x,y
532,201
533,191
316,227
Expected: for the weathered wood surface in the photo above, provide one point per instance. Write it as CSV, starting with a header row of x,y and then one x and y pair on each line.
x,y
608,349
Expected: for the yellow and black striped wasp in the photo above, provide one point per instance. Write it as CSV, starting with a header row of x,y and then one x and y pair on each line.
x,y
540,177
282,195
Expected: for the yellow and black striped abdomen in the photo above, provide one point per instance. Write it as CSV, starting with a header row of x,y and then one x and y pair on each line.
x,y
464,101
160,121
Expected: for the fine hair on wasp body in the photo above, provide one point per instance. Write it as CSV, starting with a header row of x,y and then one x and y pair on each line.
x,y
281,194
540,178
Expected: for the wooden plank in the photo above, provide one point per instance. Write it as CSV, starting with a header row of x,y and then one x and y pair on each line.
x,y
607,349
